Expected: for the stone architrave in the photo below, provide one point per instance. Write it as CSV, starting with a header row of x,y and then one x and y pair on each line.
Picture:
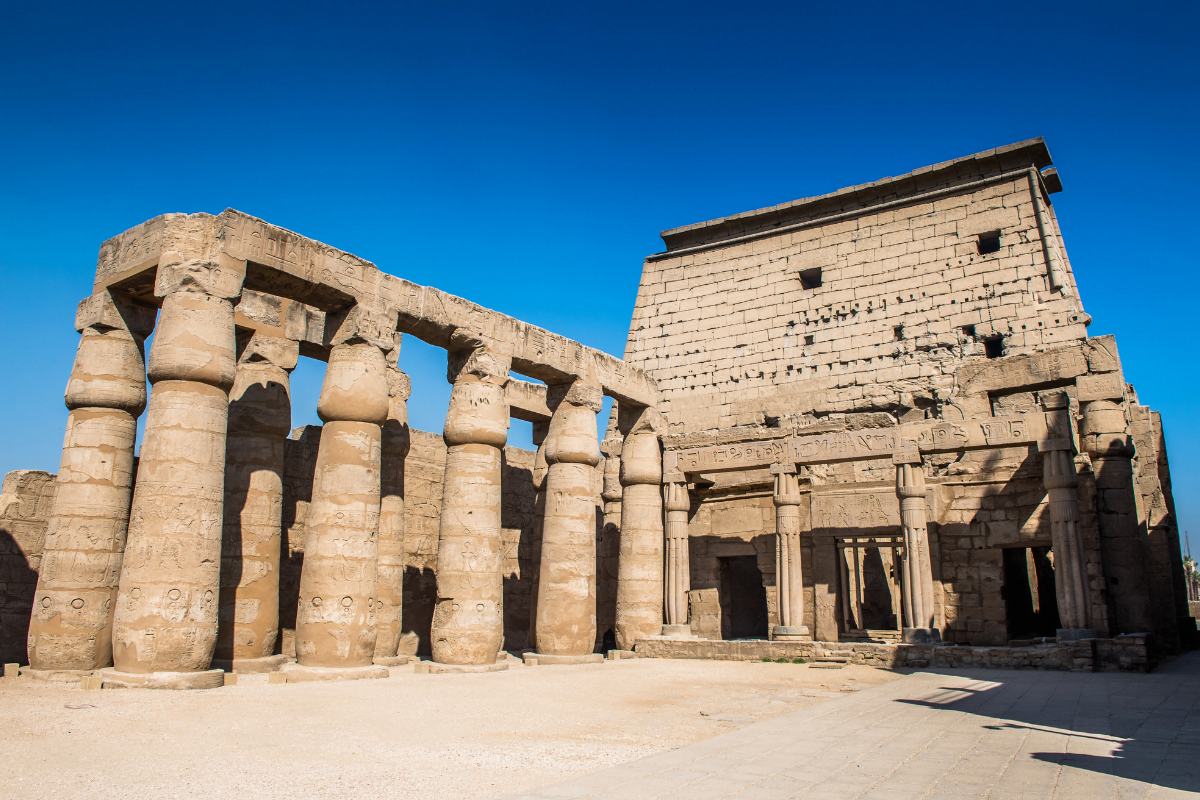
x,y
566,600
538,478
1070,569
335,618
640,568
677,580
390,569
917,571
789,572
71,624
468,619
610,541
260,418
166,614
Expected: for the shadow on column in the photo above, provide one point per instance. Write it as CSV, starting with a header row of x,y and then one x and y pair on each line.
x,y
18,584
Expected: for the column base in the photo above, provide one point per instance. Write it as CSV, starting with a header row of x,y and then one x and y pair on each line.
x,y
435,668
297,673
1076,634
391,661
263,664
678,632
208,679
541,660
921,636
791,633
71,676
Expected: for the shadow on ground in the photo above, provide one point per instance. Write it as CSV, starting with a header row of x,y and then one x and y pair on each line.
x,y
1137,727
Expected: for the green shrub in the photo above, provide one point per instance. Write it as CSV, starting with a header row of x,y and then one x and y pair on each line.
x,y
799,661
781,660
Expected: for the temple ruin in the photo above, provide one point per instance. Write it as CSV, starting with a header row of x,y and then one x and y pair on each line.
x,y
869,423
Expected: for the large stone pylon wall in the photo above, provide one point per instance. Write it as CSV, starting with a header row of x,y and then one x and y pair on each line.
x,y
566,600
395,446
166,614
335,618
259,420
468,620
71,625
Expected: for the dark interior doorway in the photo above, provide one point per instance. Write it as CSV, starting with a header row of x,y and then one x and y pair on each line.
x,y
1030,602
743,599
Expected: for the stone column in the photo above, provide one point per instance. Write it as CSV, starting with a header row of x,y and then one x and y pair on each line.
x,y
166,614
677,580
260,418
390,569
789,572
1070,568
540,430
468,620
610,544
1105,438
71,624
640,569
566,600
335,617
917,571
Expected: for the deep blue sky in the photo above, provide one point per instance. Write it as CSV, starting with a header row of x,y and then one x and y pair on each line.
x,y
527,156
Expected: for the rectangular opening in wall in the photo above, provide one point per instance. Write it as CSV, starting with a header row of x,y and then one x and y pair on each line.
x,y
743,599
989,242
1030,603
898,332
968,332
808,339
811,278
993,347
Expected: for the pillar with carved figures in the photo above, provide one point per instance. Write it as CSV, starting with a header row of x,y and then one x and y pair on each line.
x,y
1070,568
640,568
917,569
789,573
677,578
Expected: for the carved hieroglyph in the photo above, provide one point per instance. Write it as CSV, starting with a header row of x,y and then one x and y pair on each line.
x,y
566,600
468,620
71,626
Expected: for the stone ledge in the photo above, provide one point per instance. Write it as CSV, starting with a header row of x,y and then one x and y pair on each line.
x,y
264,664
297,673
434,668
540,660
208,679
70,676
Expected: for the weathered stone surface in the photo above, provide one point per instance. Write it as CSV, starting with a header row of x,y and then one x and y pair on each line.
x,y
26,499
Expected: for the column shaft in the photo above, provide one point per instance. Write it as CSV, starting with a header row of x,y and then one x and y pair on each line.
x,y
540,431
468,620
566,601
390,570
917,569
335,618
640,568
678,580
789,570
166,615
260,416
1070,569
610,544
71,625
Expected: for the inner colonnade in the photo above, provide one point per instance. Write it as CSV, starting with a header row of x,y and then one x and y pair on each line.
x,y
134,569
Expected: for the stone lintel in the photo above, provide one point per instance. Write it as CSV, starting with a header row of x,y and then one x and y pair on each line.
x,y
907,457
1046,445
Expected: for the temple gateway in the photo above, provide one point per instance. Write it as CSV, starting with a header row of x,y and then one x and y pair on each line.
x,y
869,425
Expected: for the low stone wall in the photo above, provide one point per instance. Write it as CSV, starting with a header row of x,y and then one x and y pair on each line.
x,y
1130,653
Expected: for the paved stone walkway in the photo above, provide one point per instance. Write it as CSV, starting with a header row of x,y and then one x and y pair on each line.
x,y
965,734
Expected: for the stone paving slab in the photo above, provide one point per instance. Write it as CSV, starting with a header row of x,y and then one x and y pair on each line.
x,y
944,735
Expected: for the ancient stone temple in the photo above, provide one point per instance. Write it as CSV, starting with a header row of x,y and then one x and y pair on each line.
x,y
872,419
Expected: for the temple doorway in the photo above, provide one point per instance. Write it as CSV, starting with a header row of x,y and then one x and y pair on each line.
x,y
743,599
872,591
1030,602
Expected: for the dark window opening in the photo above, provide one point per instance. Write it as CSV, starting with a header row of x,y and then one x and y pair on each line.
x,y
811,278
1030,604
994,347
989,242
898,332
743,599
809,339
968,331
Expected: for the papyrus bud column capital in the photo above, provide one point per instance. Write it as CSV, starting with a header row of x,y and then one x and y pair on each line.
x,y
566,600
335,618
1070,568
71,626
396,442
166,615
640,569
789,569
468,619
260,417
917,567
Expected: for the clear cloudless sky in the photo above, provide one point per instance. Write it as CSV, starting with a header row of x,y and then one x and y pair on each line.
x,y
526,155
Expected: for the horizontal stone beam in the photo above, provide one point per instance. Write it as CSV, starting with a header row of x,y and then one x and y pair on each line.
x,y
860,445
279,262
527,401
